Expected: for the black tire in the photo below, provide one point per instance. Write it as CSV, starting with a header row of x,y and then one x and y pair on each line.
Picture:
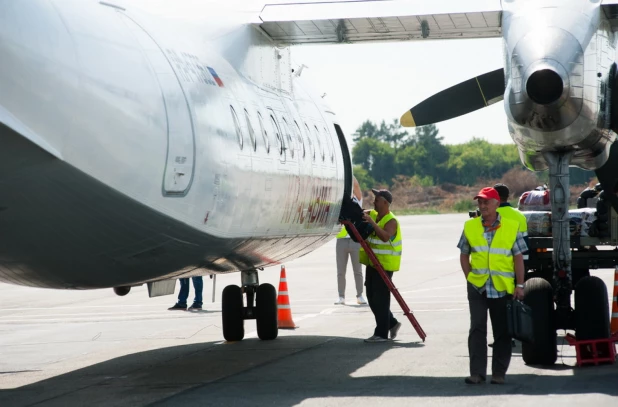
x,y
591,309
544,351
232,313
578,274
266,312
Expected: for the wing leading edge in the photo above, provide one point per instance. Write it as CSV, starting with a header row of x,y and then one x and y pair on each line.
x,y
380,20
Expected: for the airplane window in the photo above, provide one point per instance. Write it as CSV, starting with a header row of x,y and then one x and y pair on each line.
x,y
311,146
288,137
251,131
331,147
277,134
301,142
320,147
237,125
264,133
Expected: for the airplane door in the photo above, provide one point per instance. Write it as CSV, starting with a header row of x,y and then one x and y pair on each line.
x,y
180,160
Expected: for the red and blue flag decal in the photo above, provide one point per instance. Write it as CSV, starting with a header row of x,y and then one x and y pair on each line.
x,y
215,76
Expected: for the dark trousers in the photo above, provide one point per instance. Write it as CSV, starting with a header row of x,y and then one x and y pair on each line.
x,y
477,338
379,298
198,284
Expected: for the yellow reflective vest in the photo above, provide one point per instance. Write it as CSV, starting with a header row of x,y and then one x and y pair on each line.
x,y
495,260
342,233
387,253
514,214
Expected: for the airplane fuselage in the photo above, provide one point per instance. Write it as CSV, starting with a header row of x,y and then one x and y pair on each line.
x,y
134,150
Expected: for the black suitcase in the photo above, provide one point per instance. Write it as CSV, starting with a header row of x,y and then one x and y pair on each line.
x,y
350,211
519,321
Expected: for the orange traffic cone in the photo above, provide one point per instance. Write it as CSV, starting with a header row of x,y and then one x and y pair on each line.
x,y
614,325
284,318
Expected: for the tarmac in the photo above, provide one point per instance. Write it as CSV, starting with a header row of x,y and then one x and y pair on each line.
x,y
93,348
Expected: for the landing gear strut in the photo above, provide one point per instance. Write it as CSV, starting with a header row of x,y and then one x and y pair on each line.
x,y
590,319
261,300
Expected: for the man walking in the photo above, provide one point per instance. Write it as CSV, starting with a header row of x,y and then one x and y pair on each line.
x,y
491,259
385,241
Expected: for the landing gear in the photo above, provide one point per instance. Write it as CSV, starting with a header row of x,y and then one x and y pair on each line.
x,y
590,318
266,313
261,300
543,351
591,309
232,313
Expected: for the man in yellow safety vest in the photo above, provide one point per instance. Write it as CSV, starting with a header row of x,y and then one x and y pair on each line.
x,y
507,211
385,241
491,259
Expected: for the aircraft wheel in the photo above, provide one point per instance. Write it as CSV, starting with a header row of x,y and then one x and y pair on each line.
x,y
539,296
232,313
266,312
579,274
591,309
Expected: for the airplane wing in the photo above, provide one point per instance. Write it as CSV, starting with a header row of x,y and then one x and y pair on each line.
x,y
380,20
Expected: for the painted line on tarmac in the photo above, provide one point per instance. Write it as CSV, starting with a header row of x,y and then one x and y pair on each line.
x,y
81,307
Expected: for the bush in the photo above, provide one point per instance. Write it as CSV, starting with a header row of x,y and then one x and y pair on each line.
x,y
464,205
519,181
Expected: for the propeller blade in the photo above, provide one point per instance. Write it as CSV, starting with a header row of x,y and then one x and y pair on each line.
x,y
457,100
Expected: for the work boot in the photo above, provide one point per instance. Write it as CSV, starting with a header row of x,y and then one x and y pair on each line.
x,y
497,379
474,379
393,331
376,339
178,307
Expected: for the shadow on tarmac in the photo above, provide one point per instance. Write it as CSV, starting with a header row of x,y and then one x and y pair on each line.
x,y
283,372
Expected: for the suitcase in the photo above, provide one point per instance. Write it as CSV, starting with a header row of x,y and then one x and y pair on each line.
x,y
519,321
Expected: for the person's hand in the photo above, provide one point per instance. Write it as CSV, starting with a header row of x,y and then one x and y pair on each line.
x,y
519,293
368,218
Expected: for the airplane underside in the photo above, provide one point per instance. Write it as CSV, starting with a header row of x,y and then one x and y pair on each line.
x,y
63,229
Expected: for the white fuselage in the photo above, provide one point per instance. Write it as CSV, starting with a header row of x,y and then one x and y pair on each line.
x,y
139,149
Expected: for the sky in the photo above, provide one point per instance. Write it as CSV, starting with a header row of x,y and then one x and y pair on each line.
x,y
380,81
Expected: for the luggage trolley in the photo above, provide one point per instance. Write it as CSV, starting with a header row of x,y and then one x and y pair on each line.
x,y
406,311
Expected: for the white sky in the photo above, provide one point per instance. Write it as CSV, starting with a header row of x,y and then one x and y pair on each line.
x,y
381,81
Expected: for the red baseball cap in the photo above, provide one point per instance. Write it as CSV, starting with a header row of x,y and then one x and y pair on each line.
x,y
488,193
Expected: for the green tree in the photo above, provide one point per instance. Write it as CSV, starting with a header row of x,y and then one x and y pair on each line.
x,y
376,157
366,130
363,178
